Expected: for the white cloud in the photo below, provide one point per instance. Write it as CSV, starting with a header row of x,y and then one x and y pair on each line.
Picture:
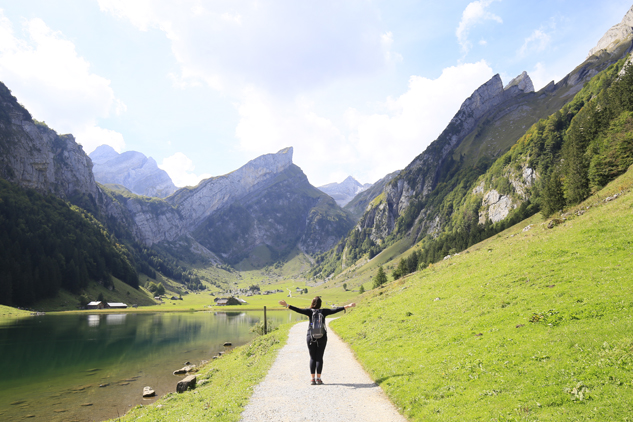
x,y
180,168
289,47
268,125
93,136
536,42
55,84
391,139
371,145
542,75
474,14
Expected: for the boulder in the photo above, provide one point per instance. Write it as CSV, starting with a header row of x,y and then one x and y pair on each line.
x,y
148,392
187,383
185,369
227,344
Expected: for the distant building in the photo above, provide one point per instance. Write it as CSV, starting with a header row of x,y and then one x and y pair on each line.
x,y
116,305
96,305
226,301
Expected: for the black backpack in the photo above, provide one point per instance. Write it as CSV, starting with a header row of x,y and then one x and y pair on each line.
x,y
317,324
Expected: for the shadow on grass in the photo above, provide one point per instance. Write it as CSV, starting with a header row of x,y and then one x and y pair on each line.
x,y
383,379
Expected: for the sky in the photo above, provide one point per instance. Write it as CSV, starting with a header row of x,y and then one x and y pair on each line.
x,y
356,87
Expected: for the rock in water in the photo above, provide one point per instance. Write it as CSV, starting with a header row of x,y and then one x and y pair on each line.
x,y
148,392
187,383
185,369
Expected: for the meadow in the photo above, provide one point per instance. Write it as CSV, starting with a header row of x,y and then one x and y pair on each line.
x,y
532,324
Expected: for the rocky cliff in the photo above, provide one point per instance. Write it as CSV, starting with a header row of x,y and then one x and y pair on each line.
x,y
616,35
266,203
424,173
35,156
440,190
135,171
282,213
197,203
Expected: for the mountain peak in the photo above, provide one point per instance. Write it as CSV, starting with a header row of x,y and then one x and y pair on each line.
x,y
345,191
523,82
102,154
617,34
132,169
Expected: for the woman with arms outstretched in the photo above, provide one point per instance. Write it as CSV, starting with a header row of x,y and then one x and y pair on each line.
x,y
316,347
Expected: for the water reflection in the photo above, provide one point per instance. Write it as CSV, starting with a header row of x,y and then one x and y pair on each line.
x,y
62,362
115,319
93,320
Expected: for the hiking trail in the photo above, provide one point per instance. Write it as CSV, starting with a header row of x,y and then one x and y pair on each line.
x,y
348,393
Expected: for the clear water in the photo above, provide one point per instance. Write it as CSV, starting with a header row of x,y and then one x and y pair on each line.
x,y
92,367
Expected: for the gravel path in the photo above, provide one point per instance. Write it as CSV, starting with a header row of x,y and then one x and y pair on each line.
x,y
348,394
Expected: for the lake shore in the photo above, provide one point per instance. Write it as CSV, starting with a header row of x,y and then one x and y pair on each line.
x,y
224,386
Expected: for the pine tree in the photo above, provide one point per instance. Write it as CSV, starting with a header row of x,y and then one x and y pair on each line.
x,y
380,278
553,198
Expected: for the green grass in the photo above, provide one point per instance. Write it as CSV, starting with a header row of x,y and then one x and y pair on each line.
x,y
531,325
66,301
224,385
8,313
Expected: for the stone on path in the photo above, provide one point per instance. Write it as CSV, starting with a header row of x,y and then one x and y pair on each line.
x,y
148,392
348,393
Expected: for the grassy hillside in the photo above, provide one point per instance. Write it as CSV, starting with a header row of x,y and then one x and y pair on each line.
x,y
527,325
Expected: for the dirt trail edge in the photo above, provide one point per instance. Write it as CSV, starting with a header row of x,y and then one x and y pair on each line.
x,y
348,394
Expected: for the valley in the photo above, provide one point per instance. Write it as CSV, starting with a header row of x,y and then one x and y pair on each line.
x,y
492,272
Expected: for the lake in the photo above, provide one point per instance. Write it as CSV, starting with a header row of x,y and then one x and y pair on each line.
x,y
91,367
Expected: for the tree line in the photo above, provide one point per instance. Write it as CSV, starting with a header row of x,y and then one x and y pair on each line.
x,y
47,244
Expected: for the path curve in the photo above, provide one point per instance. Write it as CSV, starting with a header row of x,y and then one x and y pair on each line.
x,y
349,394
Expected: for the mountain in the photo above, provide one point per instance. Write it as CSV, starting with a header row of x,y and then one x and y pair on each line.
x,y
423,200
617,35
357,206
345,191
135,171
34,156
45,243
266,203
63,230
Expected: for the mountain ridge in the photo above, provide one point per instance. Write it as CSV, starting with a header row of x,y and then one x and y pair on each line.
x,y
132,169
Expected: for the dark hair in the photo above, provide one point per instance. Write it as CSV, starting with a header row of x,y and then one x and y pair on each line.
x,y
316,303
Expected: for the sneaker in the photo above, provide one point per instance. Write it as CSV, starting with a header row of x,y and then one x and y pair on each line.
x,y
313,382
318,381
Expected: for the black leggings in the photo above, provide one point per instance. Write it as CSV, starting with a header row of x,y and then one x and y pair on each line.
x,y
316,348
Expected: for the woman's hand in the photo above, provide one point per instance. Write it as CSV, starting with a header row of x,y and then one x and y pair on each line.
x,y
351,305
283,303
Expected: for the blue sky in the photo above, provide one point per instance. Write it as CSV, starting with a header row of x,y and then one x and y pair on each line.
x,y
357,87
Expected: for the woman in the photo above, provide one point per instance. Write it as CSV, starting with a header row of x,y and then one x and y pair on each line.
x,y
316,347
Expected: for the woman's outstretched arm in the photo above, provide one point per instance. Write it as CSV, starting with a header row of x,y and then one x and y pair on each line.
x,y
306,312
